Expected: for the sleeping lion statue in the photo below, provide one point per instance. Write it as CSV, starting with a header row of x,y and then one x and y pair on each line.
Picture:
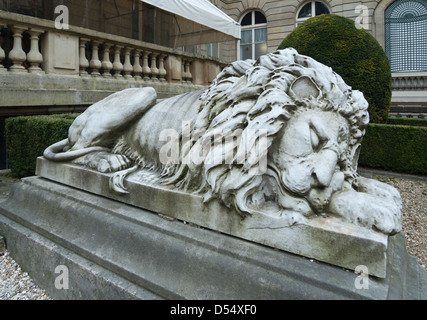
x,y
281,132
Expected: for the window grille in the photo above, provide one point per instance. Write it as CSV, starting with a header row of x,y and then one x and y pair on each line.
x,y
406,35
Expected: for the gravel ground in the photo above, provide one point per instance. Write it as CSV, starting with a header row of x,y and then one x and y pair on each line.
x,y
414,214
17,285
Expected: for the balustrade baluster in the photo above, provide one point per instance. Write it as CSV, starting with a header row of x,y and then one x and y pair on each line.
x,y
154,69
189,75
127,67
416,83
83,61
162,70
408,83
34,57
183,71
106,64
398,83
2,53
402,84
137,69
95,64
145,68
117,64
17,54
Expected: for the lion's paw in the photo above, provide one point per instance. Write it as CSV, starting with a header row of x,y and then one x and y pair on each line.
x,y
105,162
367,210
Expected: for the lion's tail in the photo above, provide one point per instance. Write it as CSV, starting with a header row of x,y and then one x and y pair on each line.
x,y
55,151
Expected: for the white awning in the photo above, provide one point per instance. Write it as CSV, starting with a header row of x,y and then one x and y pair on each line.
x,y
202,12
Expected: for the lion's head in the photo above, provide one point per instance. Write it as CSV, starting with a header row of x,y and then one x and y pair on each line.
x,y
297,129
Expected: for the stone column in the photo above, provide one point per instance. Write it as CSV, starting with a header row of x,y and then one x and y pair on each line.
x,y
34,57
83,61
106,64
117,64
17,54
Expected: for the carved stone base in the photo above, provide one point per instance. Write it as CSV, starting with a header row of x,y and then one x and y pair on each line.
x,y
325,239
113,250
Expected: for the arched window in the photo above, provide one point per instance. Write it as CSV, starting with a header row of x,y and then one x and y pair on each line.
x,y
253,42
406,35
311,9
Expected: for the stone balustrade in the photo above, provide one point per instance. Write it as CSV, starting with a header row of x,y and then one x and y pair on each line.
x,y
108,60
48,70
410,81
409,98
30,45
18,59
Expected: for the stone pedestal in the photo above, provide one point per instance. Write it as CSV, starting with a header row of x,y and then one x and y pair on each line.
x,y
325,239
113,250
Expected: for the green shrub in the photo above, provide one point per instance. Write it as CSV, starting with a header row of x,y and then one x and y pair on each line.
x,y
352,53
394,147
27,137
408,122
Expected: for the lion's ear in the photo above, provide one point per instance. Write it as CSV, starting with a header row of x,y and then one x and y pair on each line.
x,y
305,87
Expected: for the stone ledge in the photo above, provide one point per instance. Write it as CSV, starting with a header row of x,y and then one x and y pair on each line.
x,y
352,245
28,89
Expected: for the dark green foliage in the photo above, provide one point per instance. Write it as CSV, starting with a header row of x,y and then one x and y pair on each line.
x,y
28,137
396,148
352,53
408,122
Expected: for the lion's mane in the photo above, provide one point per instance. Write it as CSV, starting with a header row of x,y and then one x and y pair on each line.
x,y
251,95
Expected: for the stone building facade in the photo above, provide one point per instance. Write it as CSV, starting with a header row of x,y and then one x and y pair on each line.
x,y
400,26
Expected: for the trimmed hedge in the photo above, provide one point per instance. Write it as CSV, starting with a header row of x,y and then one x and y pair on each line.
x,y
352,53
391,147
395,147
28,136
407,122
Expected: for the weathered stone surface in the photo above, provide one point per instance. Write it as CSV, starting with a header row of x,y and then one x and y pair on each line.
x,y
2,244
117,251
328,240
32,90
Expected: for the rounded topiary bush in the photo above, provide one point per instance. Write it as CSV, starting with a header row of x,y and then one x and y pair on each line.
x,y
351,52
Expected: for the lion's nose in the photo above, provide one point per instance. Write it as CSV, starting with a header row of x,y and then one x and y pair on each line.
x,y
324,168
